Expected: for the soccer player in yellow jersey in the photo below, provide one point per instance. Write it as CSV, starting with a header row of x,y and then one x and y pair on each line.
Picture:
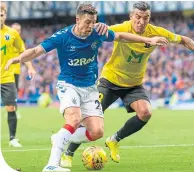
x,y
122,76
10,43
16,67
75,107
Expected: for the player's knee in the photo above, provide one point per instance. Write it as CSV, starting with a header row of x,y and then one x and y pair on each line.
x,y
73,118
145,114
75,122
10,108
97,134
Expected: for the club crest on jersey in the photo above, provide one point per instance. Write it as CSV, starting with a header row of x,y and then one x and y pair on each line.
x,y
74,100
7,37
72,48
94,45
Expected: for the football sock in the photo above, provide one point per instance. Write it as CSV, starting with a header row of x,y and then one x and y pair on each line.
x,y
81,135
72,148
12,122
59,142
133,125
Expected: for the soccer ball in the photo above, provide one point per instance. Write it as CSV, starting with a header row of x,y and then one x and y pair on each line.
x,y
94,158
44,100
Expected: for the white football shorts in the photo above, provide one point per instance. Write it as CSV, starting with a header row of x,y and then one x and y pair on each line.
x,y
84,97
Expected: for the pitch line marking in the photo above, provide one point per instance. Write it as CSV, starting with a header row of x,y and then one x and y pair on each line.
x,y
122,147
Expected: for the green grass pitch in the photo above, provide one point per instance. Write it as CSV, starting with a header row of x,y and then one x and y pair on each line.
x,y
166,144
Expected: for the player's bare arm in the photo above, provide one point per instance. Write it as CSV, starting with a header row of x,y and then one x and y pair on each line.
x,y
26,56
129,37
31,70
187,42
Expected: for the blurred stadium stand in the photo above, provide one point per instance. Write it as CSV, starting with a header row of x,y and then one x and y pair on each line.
x,y
46,9
170,73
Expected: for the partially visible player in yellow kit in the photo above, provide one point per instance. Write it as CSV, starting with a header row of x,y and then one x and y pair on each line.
x,y
10,42
16,67
122,76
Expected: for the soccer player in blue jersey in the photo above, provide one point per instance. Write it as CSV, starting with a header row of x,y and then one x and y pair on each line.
x,y
77,48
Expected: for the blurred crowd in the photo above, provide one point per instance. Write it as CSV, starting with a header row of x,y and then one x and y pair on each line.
x,y
170,69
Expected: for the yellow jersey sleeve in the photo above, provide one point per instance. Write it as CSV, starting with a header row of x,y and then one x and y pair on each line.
x,y
172,37
19,43
19,48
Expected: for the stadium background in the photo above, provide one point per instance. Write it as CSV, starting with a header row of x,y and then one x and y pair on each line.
x,y
165,144
170,73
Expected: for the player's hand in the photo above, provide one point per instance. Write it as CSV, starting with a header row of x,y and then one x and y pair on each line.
x,y
31,73
12,61
158,41
101,28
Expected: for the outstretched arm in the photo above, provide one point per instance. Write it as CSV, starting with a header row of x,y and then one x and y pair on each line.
x,y
187,42
26,56
31,70
129,37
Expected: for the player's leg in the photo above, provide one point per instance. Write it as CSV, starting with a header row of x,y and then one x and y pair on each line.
x,y
95,127
106,97
92,129
67,157
138,102
91,111
70,107
8,94
135,99
17,76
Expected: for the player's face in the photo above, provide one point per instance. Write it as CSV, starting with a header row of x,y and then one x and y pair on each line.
x,y
140,19
3,17
17,27
85,24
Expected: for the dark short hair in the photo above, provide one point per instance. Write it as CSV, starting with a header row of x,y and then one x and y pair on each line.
x,y
141,5
86,9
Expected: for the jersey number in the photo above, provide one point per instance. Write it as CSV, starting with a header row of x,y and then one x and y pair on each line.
x,y
98,104
137,57
4,49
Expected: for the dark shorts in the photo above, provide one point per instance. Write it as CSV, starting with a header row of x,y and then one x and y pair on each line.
x,y
110,92
17,76
8,94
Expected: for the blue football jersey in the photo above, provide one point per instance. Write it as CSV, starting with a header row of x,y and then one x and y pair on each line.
x,y
77,56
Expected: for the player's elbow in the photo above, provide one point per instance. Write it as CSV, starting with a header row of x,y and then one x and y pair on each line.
x,y
117,37
38,51
185,40
30,54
